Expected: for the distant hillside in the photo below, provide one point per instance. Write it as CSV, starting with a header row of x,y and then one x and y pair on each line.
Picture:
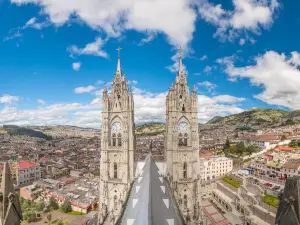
x,y
16,130
259,118
150,129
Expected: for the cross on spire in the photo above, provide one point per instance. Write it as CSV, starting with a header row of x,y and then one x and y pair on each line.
x,y
119,51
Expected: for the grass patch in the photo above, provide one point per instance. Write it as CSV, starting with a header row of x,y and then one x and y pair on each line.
x,y
232,181
271,200
74,213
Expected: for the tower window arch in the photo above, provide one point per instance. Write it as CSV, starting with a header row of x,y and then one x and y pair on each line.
x,y
185,201
183,108
119,140
115,170
114,140
185,141
184,170
180,140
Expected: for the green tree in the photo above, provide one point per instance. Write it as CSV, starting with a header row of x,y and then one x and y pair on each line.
x,y
66,207
31,217
40,206
251,149
49,217
227,145
240,148
53,203
60,222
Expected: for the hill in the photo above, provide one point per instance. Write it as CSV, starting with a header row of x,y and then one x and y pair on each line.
x,y
150,129
16,130
259,118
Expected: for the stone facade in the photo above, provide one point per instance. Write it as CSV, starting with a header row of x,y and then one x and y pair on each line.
x,y
117,147
182,145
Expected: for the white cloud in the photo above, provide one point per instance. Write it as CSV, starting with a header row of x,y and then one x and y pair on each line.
x,y
94,48
228,99
80,90
175,58
207,69
31,23
247,15
210,86
9,99
41,101
174,18
277,74
76,66
204,57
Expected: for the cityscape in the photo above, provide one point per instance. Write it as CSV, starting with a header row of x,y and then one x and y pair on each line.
x,y
161,119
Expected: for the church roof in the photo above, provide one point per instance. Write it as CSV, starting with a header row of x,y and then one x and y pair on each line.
x,y
288,210
150,201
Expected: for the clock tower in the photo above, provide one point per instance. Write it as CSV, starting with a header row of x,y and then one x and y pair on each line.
x,y
182,145
117,147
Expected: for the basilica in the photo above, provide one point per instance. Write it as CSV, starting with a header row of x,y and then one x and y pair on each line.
x,y
149,192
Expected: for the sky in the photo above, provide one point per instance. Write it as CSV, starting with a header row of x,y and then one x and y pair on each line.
x,y
56,56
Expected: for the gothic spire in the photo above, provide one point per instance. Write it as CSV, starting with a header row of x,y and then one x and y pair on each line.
x,y
180,67
119,72
10,206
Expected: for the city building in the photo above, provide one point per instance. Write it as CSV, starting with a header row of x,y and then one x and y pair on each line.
x,y
28,172
214,167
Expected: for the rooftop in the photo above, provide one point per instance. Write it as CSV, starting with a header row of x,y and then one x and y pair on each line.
x,y
24,164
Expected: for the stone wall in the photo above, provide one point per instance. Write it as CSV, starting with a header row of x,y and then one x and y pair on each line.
x,y
263,215
227,191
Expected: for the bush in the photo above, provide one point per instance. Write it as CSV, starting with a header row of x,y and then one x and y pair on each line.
x,y
232,181
271,200
66,207
53,203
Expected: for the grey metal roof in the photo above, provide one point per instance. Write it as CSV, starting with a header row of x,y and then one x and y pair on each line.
x,y
150,202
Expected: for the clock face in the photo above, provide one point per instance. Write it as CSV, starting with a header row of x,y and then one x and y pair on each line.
x,y
183,126
116,127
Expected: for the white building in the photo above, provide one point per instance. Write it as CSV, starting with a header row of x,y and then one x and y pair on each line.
x,y
28,172
215,167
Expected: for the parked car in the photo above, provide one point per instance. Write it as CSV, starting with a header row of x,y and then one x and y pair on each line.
x,y
268,185
272,175
276,188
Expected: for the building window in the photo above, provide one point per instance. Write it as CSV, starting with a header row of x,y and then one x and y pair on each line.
x,y
184,170
114,139
185,201
115,203
180,140
119,140
185,139
115,170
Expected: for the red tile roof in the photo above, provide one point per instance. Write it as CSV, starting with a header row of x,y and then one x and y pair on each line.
x,y
24,164
284,148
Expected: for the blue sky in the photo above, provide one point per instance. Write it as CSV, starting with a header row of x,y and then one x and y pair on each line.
x,y
56,55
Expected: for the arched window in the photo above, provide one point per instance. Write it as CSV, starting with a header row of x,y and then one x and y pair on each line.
x,y
115,202
114,140
115,170
183,108
185,139
180,140
185,201
184,170
119,140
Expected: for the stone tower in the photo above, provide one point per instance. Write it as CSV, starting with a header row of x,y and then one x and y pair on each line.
x,y
117,147
182,145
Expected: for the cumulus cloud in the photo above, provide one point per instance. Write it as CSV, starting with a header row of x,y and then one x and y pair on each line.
x,y
76,66
278,76
207,69
87,89
115,17
246,16
210,86
9,99
94,48
149,107
204,57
